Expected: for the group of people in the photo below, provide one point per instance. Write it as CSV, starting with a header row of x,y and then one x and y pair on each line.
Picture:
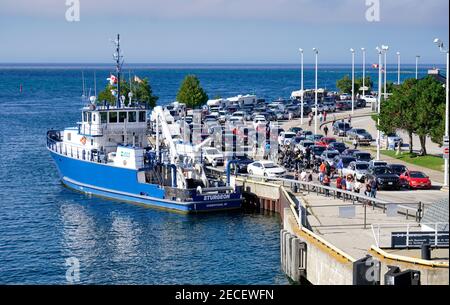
x,y
322,117
351,184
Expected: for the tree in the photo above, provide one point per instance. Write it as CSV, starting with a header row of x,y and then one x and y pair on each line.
x,y
418,107
141,89
429,115
344,84
191,93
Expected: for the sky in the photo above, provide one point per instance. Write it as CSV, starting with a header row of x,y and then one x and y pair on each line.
x,y
220,31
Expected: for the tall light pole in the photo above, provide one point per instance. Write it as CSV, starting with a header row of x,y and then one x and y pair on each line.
x,y
398,63
301,88
442,48
364,70
417,66
353,80
316,52
380,81
385,49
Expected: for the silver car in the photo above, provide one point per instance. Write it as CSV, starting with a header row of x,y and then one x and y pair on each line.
x,y
357,169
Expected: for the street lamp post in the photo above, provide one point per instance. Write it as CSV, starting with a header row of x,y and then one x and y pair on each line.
x,y
380,80
353,80
364,70
385,49
301,88
442,48
417,66
316,52
398,62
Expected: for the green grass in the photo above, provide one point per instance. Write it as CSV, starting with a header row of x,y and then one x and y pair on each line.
x,y
431,162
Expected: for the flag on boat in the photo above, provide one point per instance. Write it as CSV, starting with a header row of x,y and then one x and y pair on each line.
x,y
137,80
112,79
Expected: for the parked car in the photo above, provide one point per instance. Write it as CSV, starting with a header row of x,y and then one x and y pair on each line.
x,y
391,140
339,146
345,96
212,156
314,137
361,135
325,141
361,103
415,180
377,163
330,106
295,129
385,178
362,156
305,144
243,162
349,152
341,128
345,160
343,105
328,156
317,151
259,121
285,138
265,168
357,169
307,133
398,169
369,98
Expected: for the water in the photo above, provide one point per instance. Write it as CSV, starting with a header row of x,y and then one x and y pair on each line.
x,y
43,223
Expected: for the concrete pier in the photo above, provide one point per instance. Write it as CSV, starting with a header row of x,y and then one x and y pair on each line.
x,y
323,245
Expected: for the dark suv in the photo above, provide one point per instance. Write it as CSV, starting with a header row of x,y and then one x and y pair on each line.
x,y
340,129
385,178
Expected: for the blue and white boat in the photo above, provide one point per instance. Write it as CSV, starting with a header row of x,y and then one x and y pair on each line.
x,y
112,154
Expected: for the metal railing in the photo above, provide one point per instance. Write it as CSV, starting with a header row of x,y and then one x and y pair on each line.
x,y
378,235
356,199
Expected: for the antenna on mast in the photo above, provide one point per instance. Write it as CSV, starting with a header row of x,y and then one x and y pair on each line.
x,y
95,85
83,94
118,57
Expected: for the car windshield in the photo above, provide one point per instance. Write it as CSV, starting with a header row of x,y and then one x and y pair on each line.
x,y
382,170
362,166
398,168
289,135
417,175
363,156
332,154
212,151
346,161
269,165
360,131
338,145
319,149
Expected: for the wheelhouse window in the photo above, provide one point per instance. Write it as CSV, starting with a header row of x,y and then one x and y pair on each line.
x,y
85,117
113,117
132,116
122,117
89,117
142,116
103,117
69,136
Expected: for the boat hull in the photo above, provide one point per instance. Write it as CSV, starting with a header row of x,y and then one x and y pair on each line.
x,y
121,184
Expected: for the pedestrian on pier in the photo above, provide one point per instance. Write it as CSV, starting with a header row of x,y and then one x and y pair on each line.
x,y
373,188
325,130
324,116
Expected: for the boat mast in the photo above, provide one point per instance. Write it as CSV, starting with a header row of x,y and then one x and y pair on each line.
x,y
118,58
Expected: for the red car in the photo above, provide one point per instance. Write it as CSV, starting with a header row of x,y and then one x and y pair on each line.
x,y
324,142
415,180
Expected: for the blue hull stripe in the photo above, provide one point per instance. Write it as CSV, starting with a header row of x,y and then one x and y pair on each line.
x,y
116,183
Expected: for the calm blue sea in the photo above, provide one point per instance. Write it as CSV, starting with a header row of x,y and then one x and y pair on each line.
x,y
42,223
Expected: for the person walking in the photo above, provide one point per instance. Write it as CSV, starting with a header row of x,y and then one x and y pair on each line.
x,y
340,166
373,188
324,116
326,182
320,117
339,185
325,130
350,119
355,143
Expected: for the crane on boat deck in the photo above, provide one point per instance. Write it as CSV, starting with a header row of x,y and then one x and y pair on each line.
x,y
182,155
